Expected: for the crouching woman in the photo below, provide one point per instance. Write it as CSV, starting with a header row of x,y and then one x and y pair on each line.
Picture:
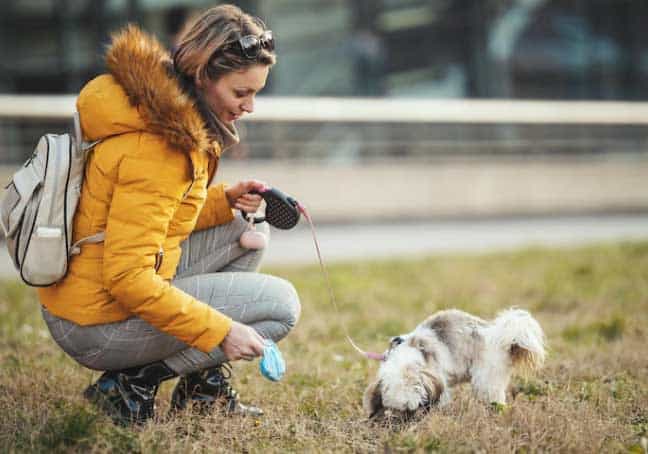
x,y
170,291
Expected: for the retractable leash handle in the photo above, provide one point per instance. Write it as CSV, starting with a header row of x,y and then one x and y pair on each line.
x,y
282,211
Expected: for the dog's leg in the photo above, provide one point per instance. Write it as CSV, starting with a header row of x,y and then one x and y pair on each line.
x,y
445,397
490,392
491,376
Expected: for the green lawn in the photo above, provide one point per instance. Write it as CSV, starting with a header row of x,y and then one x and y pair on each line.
x,y
592,395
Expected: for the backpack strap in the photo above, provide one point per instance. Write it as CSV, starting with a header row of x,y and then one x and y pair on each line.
x,y
96,238
85,146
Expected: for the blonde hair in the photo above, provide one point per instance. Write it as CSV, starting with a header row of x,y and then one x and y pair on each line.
x,y
202,52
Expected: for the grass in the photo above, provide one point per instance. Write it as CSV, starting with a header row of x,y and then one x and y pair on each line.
x,y
592,396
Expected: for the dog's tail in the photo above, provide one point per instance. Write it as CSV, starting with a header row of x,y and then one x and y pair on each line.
x,y
518,333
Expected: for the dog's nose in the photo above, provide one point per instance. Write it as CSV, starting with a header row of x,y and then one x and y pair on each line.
x,y
396,341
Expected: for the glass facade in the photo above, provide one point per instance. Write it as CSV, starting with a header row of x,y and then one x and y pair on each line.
x,y
524,49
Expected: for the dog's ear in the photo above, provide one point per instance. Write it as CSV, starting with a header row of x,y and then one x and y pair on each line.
x,y
425,345
372,400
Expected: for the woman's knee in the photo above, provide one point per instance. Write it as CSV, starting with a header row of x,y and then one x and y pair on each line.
x,y
288,307
294,306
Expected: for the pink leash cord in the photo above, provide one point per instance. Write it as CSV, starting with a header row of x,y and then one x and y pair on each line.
x,y
369,355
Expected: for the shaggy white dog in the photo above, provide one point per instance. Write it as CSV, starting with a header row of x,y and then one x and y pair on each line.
x,y
452,347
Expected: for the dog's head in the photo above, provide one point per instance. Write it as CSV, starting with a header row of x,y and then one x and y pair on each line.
x,y
408,380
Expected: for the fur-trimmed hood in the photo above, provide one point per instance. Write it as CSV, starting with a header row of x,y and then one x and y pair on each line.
x,y
141,93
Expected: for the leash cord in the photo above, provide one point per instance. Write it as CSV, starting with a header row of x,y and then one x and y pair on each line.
x,y
369,355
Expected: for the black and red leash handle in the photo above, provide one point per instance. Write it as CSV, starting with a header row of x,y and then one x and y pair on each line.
x,y
281,212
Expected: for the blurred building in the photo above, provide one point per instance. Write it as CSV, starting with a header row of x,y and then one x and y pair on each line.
x,y
418,49
541,49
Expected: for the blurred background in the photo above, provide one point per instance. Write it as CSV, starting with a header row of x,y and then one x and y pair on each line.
x,y
540,49
391,111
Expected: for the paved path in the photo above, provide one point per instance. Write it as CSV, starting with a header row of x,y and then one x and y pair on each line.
x,y
352,242
348,242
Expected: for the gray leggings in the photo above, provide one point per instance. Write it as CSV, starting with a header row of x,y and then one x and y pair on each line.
x,y
213,268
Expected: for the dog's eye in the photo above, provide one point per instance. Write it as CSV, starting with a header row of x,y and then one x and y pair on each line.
x,y
396,341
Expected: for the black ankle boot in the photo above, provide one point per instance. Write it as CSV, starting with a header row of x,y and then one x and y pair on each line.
x,y
128,395
205,389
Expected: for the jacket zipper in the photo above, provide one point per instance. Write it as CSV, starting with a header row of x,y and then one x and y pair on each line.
x,y
193,180
186,193
159,258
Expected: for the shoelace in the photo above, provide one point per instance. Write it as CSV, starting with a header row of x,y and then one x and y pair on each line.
x,y
227,367
224,373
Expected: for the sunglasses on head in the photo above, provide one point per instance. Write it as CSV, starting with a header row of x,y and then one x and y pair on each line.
x,y
249,46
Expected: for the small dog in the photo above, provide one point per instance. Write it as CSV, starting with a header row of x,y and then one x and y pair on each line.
x,y
452,347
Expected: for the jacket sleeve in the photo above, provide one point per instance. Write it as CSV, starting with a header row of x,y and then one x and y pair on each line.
x,y
145,197
216,210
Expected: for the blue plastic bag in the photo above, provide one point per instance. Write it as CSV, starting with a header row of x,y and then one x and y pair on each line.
x,y
272,364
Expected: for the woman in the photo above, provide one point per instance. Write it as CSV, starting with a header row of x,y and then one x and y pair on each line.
x,y
169,292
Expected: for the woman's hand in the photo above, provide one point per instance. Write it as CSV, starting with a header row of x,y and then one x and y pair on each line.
x,y
239,197
242,342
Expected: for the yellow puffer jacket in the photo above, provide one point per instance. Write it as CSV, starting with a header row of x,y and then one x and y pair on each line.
x,y
146,186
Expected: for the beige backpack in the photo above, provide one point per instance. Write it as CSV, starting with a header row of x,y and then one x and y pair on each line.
x,y
38,205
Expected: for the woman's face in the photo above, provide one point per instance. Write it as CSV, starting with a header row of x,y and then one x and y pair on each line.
x,y
233,94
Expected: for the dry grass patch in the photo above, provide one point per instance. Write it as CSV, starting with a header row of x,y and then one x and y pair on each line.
x,y
592,395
